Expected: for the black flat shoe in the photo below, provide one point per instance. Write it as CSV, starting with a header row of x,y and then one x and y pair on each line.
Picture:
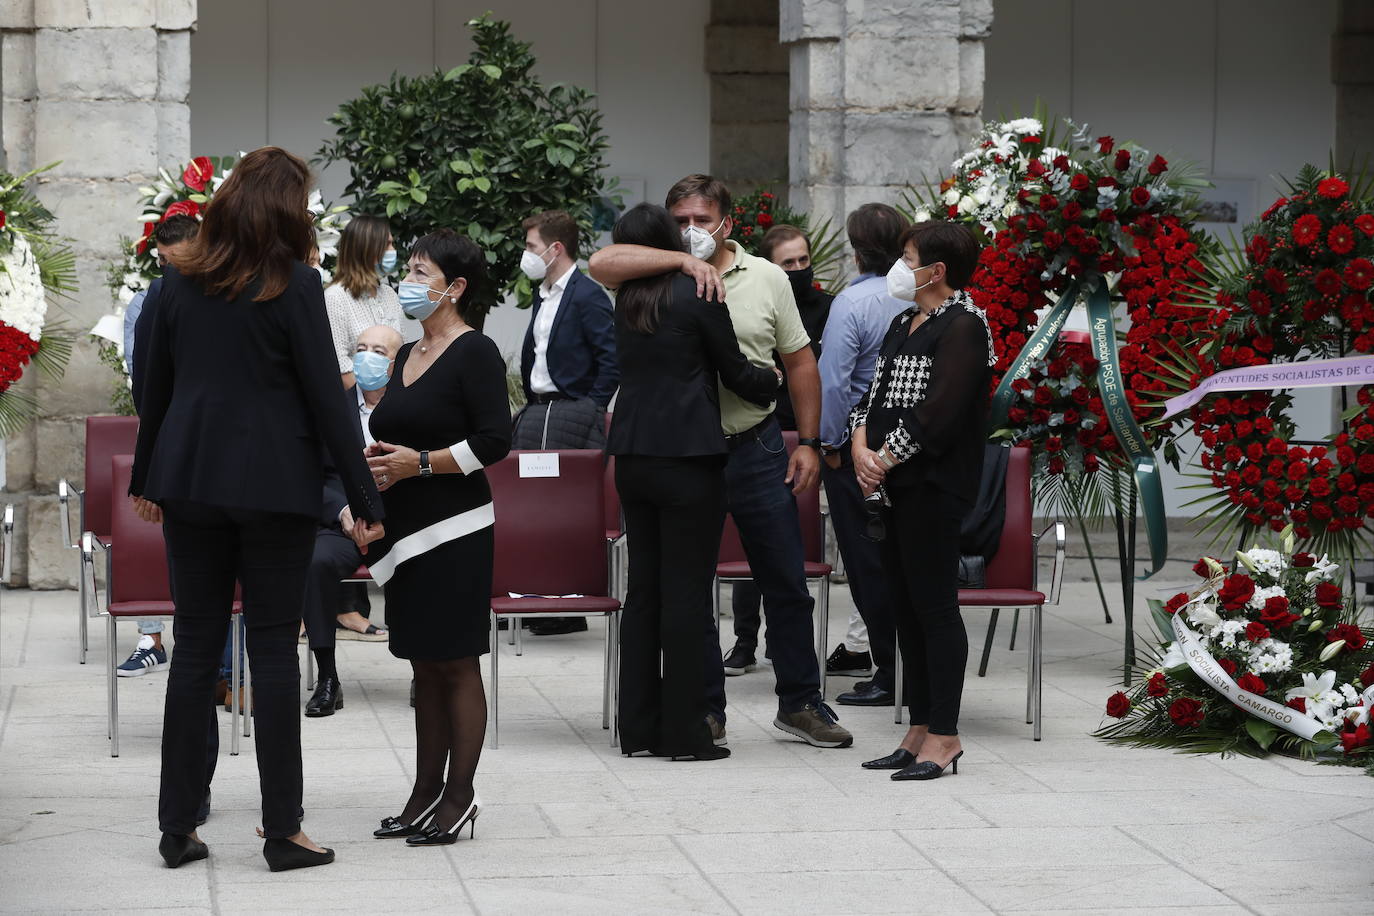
x,y
284,855
897,760
328,696
434,836
177,849
928,769
866,693
707,753
392,827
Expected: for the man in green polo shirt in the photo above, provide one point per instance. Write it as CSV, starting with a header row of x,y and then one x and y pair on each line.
x,y
760,479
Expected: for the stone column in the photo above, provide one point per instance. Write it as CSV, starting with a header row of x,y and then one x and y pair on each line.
x,y
883,94
102,87
1352,70
748,71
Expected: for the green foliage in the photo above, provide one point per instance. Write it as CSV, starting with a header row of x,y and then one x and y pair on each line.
x,y
477,149
121,398
756,213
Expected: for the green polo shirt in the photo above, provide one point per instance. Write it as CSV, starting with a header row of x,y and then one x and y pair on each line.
x,y
764,313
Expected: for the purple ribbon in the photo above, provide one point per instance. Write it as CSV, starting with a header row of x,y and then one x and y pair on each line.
x,y
1312,373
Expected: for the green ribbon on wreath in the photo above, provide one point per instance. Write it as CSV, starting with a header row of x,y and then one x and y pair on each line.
x,y
1111,386
1037,347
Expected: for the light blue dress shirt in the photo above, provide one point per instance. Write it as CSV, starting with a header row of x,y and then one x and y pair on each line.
x,y
859,319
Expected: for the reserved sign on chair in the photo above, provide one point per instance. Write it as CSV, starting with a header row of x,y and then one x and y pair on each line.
x,y
539,464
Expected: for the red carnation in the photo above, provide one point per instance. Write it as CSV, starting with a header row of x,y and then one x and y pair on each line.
x,y
181,208
1236,591
1158,166
1252,683
1307,229
2,219
1354,639
1105,144
198,173
1158,685
1358,738
1327,282
1359,274
1298,703
1365,223
1186,712
1332,188
1256,631
1123,160
1118,704
1341,239
1140,196
1328,595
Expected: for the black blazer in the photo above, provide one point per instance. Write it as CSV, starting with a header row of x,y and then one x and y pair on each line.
x,y
239,398
335,497
581,355
669,404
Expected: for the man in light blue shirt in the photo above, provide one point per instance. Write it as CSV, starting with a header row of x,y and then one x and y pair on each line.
x,y
859,320
170,238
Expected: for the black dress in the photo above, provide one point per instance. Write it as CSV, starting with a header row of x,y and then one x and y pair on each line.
x,y
435,561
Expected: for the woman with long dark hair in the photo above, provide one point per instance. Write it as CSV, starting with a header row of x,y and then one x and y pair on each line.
x,y
670,470
445,416
240,397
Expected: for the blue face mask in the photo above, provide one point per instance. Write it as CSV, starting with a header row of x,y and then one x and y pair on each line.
x,y
371,370
415,301
388,261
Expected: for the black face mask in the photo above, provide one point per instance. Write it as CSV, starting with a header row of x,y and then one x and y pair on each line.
x,y
801,282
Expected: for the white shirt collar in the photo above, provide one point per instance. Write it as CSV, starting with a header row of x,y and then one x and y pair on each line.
x,y
560,284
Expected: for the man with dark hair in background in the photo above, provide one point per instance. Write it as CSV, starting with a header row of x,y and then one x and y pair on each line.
x,y
567,364
859,319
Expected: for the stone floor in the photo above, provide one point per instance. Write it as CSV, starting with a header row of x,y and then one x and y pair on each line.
x,y
1064,825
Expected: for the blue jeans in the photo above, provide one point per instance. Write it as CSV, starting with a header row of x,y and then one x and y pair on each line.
x,y
765,513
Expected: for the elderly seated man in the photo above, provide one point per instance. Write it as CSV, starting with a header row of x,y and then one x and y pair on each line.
x,y
336,555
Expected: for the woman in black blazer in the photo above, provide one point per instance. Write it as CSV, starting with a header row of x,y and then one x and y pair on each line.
x,y
241,393
670,470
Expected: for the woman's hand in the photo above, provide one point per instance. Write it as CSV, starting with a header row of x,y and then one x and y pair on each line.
x,y
362,533
870,469
148,511
390,463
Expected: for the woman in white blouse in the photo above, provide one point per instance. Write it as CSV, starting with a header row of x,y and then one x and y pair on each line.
x,y
360,297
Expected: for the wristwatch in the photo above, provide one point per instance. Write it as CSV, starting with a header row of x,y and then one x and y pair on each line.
x,y
814,443
425,469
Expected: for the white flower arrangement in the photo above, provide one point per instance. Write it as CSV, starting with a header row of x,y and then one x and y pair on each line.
x,y
23,299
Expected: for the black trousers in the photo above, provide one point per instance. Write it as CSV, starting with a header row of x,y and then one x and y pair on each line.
x,y
863,564
921,556
335,557
674,511
208,549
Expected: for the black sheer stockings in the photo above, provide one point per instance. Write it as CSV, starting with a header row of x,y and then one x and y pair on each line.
x,y
450,726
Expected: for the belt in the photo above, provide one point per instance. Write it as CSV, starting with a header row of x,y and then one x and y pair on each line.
x,y
548,398
735,440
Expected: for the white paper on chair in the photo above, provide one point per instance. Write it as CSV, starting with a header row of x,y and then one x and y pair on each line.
x,y
539,464
515,595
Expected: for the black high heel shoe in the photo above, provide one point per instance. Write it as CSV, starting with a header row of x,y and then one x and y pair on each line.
x,y
433,836
392,826
928,769
899,759
178,848
283,855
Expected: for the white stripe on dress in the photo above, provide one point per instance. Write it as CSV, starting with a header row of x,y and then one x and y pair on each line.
x,y
426,539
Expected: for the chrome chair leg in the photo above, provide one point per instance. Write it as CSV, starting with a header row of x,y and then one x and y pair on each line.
x,y
606,678
247,691
493,720
1030,677
823,634
82,609
614,623
235,641
1038,642
112,661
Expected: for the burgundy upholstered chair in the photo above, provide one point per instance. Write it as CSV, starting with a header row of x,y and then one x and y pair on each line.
x,y
733,566
551,540
1011,580
105,438
137,586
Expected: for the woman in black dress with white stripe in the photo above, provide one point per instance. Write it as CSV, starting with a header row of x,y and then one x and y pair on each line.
x,y
445,416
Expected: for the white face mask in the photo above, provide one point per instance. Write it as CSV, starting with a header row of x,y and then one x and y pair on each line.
x,y
901,281
700,243
533,265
